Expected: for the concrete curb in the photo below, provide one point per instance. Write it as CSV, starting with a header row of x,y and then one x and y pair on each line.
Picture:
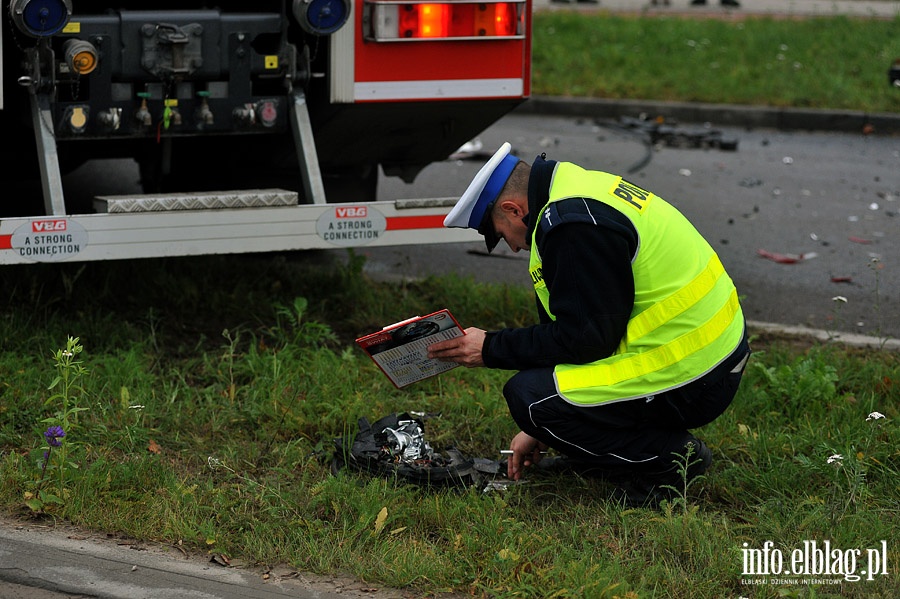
x,y
843,338
845,121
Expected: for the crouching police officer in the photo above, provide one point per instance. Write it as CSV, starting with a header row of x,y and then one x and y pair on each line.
x,y
641,337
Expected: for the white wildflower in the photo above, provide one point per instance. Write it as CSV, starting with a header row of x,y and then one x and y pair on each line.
x,y
875,416
839,298
216,463
835,458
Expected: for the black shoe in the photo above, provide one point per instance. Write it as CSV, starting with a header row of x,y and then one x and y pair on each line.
x,y
651,488
733,3
698,2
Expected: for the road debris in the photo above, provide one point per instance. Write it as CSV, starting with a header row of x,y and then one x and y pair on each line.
x,y
860,240
657,132
750,182
785,258
395,447
471,150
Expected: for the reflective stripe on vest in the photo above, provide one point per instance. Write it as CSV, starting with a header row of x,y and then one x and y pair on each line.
x,y
686,319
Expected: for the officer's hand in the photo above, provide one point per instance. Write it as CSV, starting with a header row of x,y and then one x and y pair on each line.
x,y
526,450
465,350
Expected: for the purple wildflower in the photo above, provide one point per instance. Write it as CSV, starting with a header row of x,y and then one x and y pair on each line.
x,y
53,436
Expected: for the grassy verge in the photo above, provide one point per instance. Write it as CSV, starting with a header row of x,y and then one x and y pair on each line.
x,y
200,403
834,63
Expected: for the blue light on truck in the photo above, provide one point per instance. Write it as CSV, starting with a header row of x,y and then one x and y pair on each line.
x,y
40,18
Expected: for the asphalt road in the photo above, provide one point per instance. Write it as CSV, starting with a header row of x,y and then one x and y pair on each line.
x,y
828,203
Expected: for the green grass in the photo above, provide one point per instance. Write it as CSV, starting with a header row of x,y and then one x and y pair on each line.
x,y
828,63
213,389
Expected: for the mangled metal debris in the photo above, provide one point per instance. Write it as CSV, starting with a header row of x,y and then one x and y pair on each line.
x,y
659,132
395,447
408,441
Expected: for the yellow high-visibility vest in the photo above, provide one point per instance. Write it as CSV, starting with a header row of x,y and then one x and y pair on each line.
x,y
686,318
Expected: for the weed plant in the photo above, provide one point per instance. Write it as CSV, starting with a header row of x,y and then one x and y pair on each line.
x,y
820,63
210,390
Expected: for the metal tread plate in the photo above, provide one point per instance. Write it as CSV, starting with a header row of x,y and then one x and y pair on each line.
x,y
213,200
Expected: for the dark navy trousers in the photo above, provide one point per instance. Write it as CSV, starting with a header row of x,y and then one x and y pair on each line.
x,y
638,434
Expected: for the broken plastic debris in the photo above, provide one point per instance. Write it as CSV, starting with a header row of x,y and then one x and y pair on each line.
x,y
750,182
684,172
470,150
473,145
841,280
785,258
787,160
860,240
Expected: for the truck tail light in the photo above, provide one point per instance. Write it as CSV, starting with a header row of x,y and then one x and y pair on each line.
x,y
398,21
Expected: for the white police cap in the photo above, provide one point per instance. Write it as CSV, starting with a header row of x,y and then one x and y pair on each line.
x,y
472,211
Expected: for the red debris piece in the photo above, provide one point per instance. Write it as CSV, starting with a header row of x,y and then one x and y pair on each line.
x,y
784,258
841,279
860,240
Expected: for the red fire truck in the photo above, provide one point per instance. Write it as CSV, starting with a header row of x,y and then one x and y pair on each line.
x,y
257,126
